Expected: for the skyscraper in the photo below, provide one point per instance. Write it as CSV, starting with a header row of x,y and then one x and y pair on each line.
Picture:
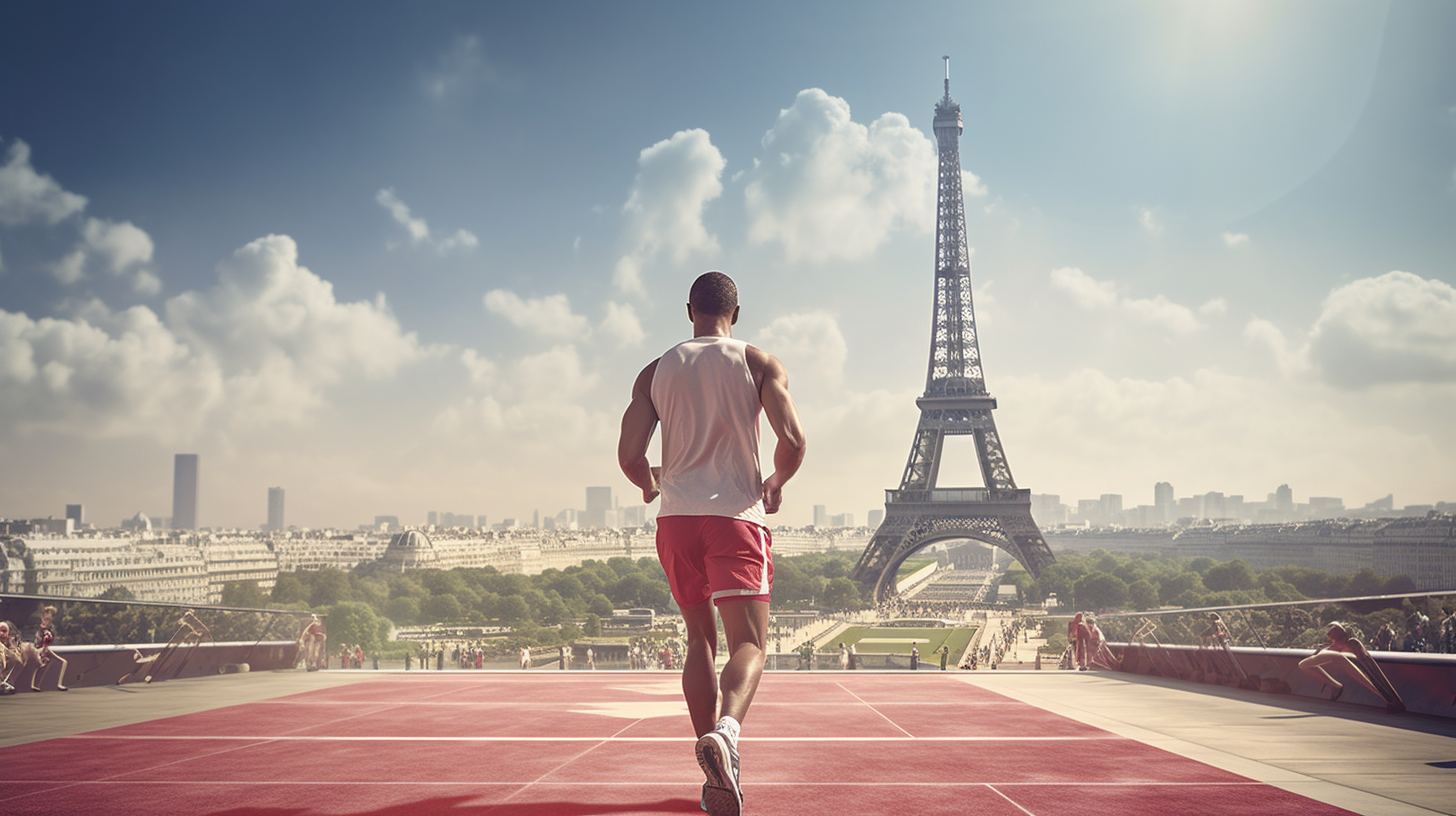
x,y
275,508
599,510
1163,500
184,492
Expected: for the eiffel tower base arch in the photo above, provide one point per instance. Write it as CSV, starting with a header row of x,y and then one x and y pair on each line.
x,y
912,526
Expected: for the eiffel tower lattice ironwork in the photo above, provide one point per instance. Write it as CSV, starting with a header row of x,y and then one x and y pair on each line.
x,y
955,402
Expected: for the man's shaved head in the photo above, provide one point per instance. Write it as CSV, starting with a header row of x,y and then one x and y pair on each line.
x,y
713,293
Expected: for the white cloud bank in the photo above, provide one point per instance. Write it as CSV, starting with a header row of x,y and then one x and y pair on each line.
x,y
1398,327
829,188
261,346
676,179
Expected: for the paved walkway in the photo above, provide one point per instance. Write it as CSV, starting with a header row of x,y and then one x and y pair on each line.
x,y
1354,757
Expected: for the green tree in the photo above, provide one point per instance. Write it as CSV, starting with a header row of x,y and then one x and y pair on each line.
x,y
117,593
245,594
1177,585
328,587
355,623
1230,575
441,609
403,611
1099,590
514,610
841,593
1143,595
592,626
288,589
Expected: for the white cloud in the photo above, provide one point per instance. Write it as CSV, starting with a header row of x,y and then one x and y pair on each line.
x,y
71,268
146,284
460,68
1214,308
122,245
1289,360
550,316
621,326
972,185
1094,295
811,346
103,374
676,178
1147,219
281,336
28,197
1234,239
418,229
122,248
1398,327
1085,292
829,188
1162,312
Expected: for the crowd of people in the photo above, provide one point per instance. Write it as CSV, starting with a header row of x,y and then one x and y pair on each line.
x,y
1421,634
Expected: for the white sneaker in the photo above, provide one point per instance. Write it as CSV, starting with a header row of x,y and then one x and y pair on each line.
x,y
719,760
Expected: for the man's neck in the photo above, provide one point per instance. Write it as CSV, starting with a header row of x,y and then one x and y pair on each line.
x,y
715,327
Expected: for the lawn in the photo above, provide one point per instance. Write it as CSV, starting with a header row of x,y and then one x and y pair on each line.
x,y
870,640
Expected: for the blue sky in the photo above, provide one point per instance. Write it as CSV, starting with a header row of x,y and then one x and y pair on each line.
x,y
407,257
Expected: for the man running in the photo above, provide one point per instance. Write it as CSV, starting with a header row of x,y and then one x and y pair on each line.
x,y
712,534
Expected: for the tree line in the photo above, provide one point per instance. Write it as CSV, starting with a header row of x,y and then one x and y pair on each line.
x,y
557,605
1144,581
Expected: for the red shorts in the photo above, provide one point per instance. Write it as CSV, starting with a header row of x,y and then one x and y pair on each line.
x,y
715,557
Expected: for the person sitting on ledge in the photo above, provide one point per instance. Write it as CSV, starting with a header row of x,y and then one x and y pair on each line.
x,y
1342,649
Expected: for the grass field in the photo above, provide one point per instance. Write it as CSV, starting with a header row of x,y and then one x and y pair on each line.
x,y
910,565
870,640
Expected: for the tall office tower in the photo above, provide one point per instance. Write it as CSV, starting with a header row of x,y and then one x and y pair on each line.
x,y
1284,502
184,492
876,516
275,508
598,508
1163,500
76,513
1111,507
821,516
955,403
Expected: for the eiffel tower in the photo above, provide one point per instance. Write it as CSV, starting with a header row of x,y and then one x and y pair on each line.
x,y
955,402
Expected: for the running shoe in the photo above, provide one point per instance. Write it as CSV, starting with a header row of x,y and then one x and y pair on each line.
x,y
719,760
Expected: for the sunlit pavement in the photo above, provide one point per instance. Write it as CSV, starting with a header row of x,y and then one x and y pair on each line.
x,y
1355,757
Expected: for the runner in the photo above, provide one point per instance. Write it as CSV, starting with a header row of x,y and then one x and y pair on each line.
x,y
43,640
712,534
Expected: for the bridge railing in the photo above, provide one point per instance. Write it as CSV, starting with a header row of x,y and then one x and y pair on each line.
x,y
104,641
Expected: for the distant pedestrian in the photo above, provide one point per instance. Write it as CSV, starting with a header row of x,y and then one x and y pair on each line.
x,y
914,657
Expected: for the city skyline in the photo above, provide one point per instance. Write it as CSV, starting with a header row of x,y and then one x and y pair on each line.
x,y
414,259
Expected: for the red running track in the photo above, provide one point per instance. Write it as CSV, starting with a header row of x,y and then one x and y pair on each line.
x,y
582,744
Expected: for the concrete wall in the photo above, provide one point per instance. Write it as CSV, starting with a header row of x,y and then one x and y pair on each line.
x,y
1426,682
104,665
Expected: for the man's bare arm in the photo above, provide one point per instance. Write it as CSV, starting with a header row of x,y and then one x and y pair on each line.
x,y
783,418
638,423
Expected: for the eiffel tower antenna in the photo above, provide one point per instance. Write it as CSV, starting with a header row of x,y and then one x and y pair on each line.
x,y
955,402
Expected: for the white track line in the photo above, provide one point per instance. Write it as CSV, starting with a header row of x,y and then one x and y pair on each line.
x,y
633,784
319,738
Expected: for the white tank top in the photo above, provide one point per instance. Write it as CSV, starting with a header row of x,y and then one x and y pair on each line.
x,y
704,395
